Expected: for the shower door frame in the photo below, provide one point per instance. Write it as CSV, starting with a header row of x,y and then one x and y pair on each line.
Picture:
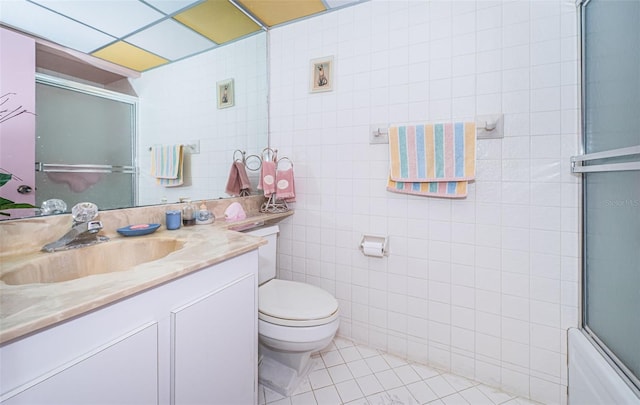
x,y
576,167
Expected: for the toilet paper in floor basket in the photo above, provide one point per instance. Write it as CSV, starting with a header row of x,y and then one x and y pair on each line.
x,y
234,212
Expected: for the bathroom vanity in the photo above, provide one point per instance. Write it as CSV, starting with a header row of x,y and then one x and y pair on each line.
x,y
191,340
181,329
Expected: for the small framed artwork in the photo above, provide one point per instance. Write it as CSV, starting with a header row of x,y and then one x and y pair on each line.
x,y
226,97
321,74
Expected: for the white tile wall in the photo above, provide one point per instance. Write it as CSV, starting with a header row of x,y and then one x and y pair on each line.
x,y
484,287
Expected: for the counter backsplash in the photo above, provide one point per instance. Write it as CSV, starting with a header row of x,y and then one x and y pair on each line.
x,y
29,234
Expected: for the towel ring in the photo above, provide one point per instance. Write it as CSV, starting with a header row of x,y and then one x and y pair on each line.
x,y
286,159
253,163
274,154
242,153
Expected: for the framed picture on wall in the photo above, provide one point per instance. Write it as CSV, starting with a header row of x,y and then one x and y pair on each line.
x,y
321,74
226,96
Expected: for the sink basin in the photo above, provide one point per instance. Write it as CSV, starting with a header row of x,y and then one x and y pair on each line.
x,y
109,257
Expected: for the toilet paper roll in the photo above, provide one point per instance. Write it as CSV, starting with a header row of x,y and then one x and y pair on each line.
x,y
375,249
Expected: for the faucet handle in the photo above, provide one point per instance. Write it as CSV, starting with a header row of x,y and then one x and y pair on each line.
x,y
84,212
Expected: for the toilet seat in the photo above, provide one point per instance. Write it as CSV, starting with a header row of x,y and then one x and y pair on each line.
x,y
290,303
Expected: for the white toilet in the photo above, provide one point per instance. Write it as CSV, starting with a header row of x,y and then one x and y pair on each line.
x,y
294,320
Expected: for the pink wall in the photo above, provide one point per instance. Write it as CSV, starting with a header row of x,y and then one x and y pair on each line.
x,y
17,134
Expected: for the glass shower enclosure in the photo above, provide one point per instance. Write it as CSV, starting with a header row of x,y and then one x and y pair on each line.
x,y
85,144
610,168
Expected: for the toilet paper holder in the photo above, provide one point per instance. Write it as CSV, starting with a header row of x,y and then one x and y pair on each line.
x,y
374,245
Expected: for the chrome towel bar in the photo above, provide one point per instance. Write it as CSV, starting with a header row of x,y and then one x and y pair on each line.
x,y
577,167
68,168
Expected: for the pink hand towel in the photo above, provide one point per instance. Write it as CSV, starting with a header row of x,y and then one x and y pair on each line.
x,y
245,183
285,184
238,180
267,181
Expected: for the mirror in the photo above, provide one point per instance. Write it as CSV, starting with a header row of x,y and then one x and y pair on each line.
x,y
183,103
180,103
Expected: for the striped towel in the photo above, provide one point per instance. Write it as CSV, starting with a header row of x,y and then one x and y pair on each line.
x,y
432,159
166,164
448,189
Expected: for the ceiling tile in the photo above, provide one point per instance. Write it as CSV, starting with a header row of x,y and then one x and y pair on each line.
x,y
170,40
125,54
273,12
218,20
51,26
114,17
171,6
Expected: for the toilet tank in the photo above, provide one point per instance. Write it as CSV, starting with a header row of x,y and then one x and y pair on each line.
x,y
267,253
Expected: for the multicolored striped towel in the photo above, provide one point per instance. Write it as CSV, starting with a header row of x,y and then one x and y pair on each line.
x,y
432,159
448,189
166,164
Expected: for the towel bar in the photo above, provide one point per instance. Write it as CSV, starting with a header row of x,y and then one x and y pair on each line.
x,y
487,127
69,168
192,148
490,126
577,167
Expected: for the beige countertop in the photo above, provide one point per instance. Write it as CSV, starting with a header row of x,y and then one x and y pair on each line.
x,y
26,308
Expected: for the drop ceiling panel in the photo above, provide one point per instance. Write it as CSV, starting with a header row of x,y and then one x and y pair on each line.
x,y
171,6
51,26
170,40
218,20
125,54
114,17
143,34
273,12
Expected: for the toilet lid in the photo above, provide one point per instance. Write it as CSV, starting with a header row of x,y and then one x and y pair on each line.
x,y
290,300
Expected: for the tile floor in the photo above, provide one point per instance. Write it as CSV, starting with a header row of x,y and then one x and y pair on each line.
x,y
348,373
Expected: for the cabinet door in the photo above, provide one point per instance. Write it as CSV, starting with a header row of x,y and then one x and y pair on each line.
x,y
214,347
124,371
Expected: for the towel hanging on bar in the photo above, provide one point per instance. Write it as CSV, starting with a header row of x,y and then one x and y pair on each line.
x,y
167,164
238,184
432,159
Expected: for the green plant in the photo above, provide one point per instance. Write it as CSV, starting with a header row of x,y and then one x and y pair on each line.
x,y
8,204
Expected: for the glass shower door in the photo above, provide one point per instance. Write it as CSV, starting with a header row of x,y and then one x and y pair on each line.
x,y
611,180
85,140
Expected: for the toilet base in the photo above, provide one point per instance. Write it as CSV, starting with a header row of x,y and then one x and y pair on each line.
x,y
280,378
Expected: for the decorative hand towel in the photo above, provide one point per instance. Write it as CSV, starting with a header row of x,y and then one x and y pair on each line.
x,y
285,185
267,181
432,153
238,183
166,164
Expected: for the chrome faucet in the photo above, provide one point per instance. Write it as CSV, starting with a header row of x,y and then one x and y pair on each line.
x,y
83,232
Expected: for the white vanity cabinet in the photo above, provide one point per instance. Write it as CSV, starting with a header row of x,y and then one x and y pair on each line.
x,y
126,368
192,340
211,359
